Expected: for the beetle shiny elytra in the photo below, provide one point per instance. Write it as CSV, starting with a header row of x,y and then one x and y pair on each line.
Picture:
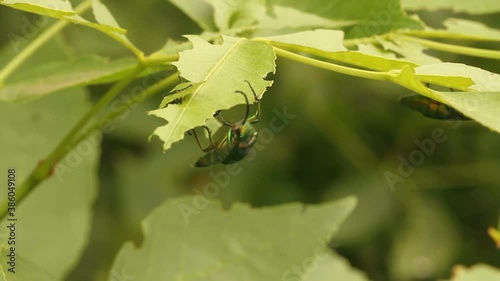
x,y
238,141
431,108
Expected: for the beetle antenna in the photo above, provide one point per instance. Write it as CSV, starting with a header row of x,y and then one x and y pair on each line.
x,y
248,106
253,91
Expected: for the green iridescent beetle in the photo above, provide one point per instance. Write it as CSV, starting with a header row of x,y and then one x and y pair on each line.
x,y
240,138
432,108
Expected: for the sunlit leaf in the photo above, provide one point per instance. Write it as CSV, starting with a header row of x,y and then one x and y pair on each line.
x,y
57,9
222,70
480,106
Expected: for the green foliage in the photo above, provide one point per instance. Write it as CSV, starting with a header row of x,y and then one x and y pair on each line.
x,y
476,273
471,7
48,121
220,70
57,217
30,271
54,76
210,243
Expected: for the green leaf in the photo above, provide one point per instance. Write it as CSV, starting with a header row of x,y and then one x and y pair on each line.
x,y
222,70
57,9
469,28
287,20
64,11
284,16
471,7
105,18
59,75
199,11
236,13
51,8
24,269
211,244
333,268
408,50
483,80
374,17
368,61
172,47
177,93
478,272
321,39
329,44
482,106
54,221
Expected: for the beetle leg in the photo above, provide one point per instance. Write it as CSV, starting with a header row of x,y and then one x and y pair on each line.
x,y
256,117
221,119
208,148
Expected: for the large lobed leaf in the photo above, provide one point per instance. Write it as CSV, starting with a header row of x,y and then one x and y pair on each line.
x,y
191,238
54,220
221,70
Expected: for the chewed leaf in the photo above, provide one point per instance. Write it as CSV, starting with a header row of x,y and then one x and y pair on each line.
x,y
218,71
177,95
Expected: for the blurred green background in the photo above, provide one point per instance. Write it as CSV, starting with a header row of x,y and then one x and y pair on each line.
x,y
346,135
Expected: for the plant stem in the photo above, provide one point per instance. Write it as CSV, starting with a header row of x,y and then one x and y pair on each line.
x,y
450,48
164,83
442,34
374,75
43,170
20,58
